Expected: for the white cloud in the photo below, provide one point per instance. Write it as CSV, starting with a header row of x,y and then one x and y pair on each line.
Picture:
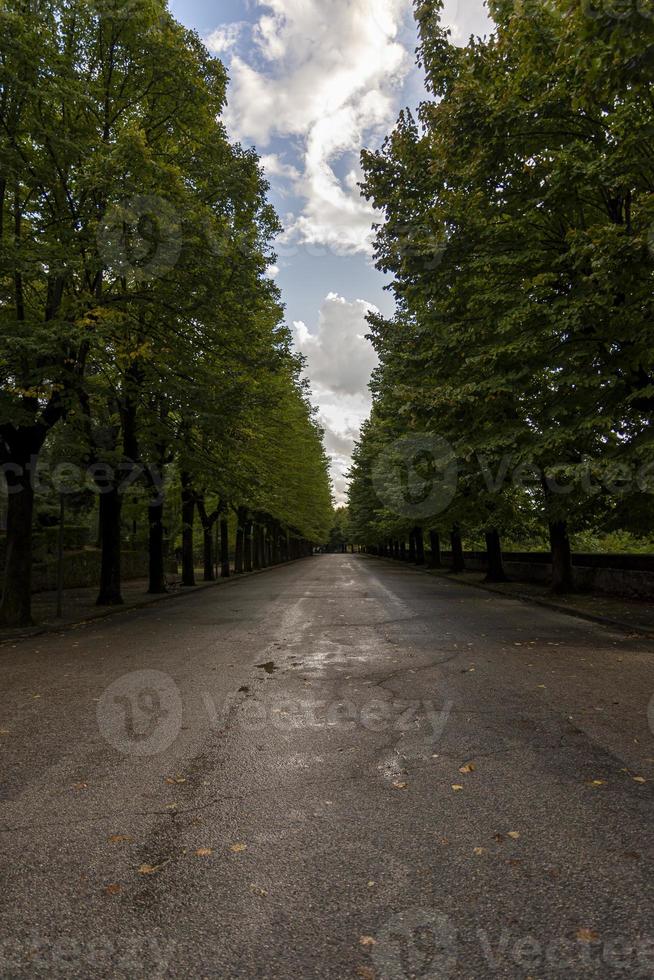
x,y
274,166
339,358
328,74
225,37
465,17
339,363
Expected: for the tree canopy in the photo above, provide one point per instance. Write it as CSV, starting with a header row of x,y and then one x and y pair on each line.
x,y
136,314
516,224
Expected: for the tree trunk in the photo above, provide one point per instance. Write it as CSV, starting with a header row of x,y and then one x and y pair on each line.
x,y
207,549
248,543
412,548
435,547
495,571
420,545
562,578
224,548
16,607
458,562
157,576
188,517
240,541
275,544
402,550
111,505
257,560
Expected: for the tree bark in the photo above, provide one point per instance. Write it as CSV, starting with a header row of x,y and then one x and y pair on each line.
x,y
240,541
207,521
188,517
248,544
111,505
435,549
412,548
256,558
207,554
419,539
402,550
157,576
224,548
562,576
16,607
458,562
495,572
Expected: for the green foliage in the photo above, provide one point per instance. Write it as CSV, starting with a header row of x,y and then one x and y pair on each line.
x,y
517,226
134,243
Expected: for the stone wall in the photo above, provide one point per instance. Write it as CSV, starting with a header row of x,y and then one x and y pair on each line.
x,y
621,575
82,569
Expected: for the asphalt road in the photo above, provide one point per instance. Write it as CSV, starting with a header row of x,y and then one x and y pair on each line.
x,y
423,780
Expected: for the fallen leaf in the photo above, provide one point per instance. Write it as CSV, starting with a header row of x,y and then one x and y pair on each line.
x,y
113,889
456,787
639,779
4,731
597,782
119,839
587,935
632,855
203,852
365,973
371,884
498,837
237,848
171,780
400,785
479,851
261,892
152,869
79,786
513,834
368,941
469,767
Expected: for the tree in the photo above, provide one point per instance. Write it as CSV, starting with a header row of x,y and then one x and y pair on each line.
x,y
515,228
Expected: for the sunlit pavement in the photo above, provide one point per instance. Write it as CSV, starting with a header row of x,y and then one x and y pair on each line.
x,y
341,768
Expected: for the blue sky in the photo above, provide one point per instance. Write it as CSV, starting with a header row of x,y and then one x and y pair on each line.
x,y
312,82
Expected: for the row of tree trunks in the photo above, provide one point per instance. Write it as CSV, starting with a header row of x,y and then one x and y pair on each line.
x,y
562,568
259,543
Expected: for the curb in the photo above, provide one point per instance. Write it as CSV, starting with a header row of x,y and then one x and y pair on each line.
x,y
526,597
182,593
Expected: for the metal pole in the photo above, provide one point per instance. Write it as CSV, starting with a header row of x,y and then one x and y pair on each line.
x,y
60,559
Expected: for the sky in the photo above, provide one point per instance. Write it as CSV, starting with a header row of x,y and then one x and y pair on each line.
x,y
312,82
